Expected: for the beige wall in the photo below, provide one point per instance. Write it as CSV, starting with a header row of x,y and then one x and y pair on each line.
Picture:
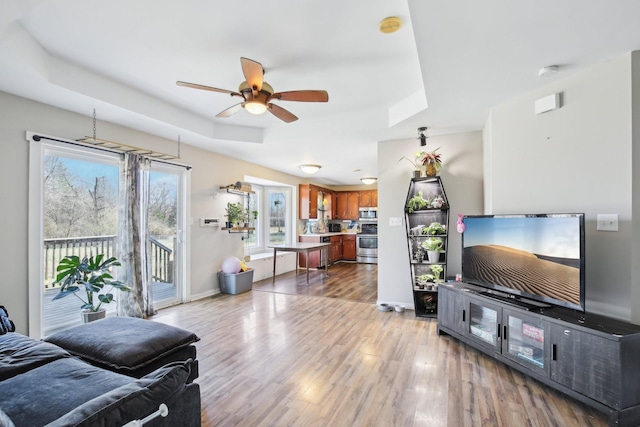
x,y
208,246
578,158
462,179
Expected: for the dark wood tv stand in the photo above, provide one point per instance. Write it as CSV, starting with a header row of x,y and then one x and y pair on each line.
x,y
592,358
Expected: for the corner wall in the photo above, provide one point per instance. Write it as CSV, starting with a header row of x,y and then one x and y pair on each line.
x,y
462,179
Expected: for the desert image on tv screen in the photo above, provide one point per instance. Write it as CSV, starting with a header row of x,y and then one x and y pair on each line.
x,y
530,255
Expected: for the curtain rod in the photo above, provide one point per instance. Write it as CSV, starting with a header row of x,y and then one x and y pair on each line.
x,y
118,149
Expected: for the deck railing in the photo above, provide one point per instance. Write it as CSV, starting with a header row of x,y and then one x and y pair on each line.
x,y
56,249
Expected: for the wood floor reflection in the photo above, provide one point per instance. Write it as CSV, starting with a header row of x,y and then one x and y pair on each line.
x,y
292,355
350,281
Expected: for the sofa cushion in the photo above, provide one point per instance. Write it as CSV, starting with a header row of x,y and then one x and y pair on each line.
x,y
43,394
126,345
131,401
19,354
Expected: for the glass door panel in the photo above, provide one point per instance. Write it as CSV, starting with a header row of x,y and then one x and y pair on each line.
x,y
483,323
525,340
80,218
164,224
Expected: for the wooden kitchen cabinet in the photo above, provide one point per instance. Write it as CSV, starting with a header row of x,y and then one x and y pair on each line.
x,y
349,247
316,258
336,249
308,201
348,203
369,198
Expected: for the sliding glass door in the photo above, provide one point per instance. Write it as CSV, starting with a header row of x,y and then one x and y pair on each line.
x,y
74,201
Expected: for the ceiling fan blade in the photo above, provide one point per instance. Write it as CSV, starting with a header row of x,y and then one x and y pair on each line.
x,y
302,95
253,74
209,88
281,113
230,111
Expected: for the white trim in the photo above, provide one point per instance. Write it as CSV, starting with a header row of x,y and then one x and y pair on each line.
x,y
35,265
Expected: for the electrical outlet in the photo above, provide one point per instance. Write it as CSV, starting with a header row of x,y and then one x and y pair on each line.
x,y
607,222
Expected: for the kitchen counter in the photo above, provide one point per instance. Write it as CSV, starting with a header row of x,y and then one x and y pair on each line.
x,y
328,234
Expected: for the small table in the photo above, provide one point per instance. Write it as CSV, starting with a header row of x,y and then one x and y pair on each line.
x,y
302,247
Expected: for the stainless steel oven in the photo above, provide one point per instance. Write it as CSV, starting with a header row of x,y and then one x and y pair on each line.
x,y
367,244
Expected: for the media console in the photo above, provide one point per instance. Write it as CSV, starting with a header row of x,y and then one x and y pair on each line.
x,y
589,357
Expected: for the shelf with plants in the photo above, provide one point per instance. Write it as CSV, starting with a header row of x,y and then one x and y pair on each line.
x,y
427,226
239,214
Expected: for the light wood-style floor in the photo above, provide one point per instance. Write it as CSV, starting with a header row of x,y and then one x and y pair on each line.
x,y
275,357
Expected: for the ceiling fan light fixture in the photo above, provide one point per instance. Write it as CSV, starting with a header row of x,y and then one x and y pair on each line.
x,y
309,169
368,180
255,107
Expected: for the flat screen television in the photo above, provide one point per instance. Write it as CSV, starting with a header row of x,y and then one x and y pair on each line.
x,y
538,257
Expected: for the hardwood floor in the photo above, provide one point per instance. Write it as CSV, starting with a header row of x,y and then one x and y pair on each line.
x,y
288,355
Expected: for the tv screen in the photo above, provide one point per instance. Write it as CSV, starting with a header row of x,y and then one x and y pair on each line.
x,y
539,257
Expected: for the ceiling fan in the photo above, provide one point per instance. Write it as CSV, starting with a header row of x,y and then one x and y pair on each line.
x,y
258,94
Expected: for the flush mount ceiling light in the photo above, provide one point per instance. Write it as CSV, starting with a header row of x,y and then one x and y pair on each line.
x,y
422,136
368,180
310,169
548,71
390,25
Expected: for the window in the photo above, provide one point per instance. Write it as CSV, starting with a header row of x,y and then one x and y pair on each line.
x,y
274,224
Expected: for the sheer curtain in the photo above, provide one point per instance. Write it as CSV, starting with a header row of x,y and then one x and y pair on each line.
x,y
133,238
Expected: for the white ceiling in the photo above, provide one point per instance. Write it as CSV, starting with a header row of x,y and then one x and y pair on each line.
x,y
459,57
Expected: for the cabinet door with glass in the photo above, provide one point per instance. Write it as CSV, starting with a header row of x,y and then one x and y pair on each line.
x,y
525,340
484,323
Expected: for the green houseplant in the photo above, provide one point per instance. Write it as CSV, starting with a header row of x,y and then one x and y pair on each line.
x,y
434,229
234,213
417,202
91,275
433,246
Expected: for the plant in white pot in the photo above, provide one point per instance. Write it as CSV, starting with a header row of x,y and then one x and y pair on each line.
x,y
433,246
91,275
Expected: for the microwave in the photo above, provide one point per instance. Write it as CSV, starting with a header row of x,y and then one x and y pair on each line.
x,y
368,214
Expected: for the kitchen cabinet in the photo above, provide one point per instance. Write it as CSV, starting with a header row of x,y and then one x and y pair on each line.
x,y
349,247
336,249
589,357
369,198
316,258
348,203
307,201
427,223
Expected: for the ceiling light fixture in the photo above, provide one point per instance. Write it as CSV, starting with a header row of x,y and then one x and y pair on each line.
x,y
548,71
422,135
255,107
310,169
368,180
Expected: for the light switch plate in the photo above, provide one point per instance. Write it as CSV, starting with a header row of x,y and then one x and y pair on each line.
x,y
395,221
607,222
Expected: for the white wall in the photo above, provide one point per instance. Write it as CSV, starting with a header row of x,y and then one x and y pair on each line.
x,y
574,159
462,179
208,246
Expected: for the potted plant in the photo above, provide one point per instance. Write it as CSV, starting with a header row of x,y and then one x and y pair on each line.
x,y
92,275
433,246
437,270
431,161
417,202
234,213
416,162
424,280
434,229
